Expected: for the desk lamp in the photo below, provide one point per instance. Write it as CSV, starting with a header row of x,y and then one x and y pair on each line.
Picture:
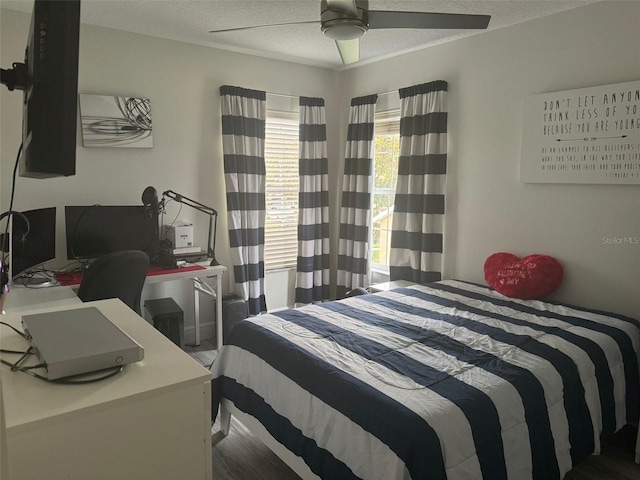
x,y
150,199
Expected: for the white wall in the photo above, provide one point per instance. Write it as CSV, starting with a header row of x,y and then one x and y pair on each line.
x,y
183,83
488,209
489,75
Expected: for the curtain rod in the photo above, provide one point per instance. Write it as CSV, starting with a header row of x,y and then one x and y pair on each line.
x,y
298,96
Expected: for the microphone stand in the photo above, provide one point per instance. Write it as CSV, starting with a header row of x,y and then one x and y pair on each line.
x,y
213,219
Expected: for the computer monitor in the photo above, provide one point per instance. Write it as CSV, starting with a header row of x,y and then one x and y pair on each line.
x,y
49,78
96,230
38,246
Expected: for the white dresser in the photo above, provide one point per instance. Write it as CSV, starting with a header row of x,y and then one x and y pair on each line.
x,y
152,421
383,287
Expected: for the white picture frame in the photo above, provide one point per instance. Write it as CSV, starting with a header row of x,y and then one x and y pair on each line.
x,y
588,135
116,121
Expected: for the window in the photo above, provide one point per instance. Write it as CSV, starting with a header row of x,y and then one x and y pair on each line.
x,y
385,176
281,190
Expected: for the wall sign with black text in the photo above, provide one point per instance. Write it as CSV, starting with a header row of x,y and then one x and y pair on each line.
x,y
588,135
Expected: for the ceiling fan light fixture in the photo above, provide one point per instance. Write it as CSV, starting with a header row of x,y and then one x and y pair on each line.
x,y
344,29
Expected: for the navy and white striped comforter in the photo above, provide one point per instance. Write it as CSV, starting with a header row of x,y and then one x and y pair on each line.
x,y
450,380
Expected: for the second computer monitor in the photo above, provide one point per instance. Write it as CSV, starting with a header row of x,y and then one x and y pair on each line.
x,y
34,244
96,230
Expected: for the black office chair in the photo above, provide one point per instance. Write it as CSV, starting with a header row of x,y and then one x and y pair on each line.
x,y
116,275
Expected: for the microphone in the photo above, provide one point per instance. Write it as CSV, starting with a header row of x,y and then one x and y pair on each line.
x,y
150,202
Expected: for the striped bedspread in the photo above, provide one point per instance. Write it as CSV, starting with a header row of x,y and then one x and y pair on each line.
x,y
448,380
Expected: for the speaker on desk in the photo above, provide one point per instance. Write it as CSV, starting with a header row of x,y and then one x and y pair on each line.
x,y
234,310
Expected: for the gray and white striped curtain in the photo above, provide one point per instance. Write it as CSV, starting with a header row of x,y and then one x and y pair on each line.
x,y
418,217
244,114
357,185
312,281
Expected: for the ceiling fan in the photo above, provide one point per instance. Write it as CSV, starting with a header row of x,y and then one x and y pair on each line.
x,y
345,21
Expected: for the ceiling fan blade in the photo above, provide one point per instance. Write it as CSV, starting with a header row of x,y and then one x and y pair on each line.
x,y
384,19
349,50
261,26
344,6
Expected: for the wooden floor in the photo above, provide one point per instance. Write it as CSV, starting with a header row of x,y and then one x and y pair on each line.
x,y
205,353
615,461
240,456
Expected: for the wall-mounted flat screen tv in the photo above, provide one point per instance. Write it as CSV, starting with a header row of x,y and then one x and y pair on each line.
x,y
49,79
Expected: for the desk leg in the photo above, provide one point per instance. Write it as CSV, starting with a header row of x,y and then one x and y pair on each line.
x,y
219,329
196,315
200,286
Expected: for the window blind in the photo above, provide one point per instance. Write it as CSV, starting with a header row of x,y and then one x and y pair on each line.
x,y
387,122
281,190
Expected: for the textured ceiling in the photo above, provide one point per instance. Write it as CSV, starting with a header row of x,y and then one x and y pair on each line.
x,y
191,20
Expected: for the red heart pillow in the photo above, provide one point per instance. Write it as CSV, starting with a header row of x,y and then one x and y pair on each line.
x,y
534,276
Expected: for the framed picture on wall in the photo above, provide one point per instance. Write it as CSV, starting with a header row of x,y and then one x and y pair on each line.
x,y
587,135
112,121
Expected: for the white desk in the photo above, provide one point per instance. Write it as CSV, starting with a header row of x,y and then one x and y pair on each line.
x,y
21,298
150,422
199,286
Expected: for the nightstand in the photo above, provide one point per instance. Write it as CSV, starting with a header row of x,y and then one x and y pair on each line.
x,y
383,287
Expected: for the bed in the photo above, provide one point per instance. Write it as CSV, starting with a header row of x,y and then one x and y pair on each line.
x,y
447,380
